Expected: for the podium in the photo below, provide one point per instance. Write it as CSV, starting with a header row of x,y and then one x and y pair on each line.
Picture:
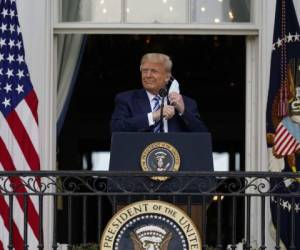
x,y
187,151
194,151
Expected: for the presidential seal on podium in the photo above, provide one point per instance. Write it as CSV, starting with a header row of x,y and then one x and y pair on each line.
x,y
160,157
150,225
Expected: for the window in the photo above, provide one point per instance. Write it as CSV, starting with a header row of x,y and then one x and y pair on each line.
x,y
156,11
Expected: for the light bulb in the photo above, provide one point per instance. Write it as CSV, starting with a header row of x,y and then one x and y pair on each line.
x,y
217,20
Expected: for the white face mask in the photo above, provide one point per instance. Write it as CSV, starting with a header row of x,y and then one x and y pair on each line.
x,y
174,87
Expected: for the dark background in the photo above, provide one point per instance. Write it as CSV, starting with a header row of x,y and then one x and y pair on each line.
x,y
210,69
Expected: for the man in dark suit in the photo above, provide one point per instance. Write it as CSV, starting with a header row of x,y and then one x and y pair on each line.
x,y
135,109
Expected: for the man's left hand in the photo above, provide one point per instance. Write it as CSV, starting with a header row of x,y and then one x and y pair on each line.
x,y
176,100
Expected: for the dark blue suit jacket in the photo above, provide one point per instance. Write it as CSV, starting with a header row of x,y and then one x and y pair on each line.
x,y
132,107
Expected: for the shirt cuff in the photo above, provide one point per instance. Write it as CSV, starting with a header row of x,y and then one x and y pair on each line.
x,y
150,119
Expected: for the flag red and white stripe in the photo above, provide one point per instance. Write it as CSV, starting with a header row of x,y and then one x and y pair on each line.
x,y
284,143
19,140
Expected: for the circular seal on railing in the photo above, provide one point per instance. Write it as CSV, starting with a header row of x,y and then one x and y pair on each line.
x,y
160,157
150,224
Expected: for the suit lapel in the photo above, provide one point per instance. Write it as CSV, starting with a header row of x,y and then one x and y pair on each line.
x,y
143,101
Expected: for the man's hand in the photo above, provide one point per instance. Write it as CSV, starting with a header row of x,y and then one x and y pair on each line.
x,y
168,113
176,100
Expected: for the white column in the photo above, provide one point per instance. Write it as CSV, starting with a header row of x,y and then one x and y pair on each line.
x,y
266,40
35,17
257,82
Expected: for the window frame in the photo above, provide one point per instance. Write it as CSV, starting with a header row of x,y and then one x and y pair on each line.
x,y
257,71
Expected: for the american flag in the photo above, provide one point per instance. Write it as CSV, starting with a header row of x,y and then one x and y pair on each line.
x,y
18,131
285,142
283,121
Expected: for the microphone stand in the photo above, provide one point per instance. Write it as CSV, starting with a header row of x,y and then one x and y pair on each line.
x,y
163,93
161,122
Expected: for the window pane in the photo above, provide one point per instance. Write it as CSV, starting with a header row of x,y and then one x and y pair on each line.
x,y
104,11
156,11
220,11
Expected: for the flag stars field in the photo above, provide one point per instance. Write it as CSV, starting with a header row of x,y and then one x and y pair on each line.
x,y
11,43
20,74
4,13
19,45
3,27
12,13
2,42
20,89
11,28
7,87
287,39
297,208
9,73
10,58
285,204
20,59
6,102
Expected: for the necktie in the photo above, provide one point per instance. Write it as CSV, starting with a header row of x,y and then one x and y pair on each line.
x,y
156,127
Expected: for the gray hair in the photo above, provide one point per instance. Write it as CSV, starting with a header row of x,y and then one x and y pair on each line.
x,y
158,58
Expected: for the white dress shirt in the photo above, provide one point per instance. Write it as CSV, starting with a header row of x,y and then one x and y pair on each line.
x,y
150,116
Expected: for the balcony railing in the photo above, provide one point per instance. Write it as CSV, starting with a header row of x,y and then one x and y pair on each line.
x,y
84,201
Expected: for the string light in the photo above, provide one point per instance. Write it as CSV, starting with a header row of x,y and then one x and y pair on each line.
x,y
102,2
170,8
127,10
230,14
104,11
217,198
203,9
216,20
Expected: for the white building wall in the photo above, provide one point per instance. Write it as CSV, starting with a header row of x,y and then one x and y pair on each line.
x,y
36,27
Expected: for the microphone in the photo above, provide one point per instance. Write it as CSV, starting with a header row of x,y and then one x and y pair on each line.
x,y
162,93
